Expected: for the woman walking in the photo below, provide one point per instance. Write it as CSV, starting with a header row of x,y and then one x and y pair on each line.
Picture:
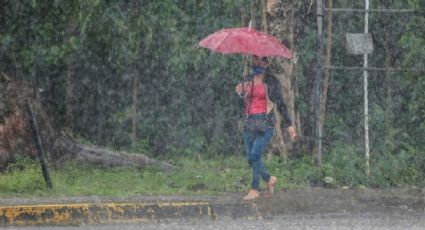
x,y
261,92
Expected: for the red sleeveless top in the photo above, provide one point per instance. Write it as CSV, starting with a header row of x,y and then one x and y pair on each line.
x,y
259,99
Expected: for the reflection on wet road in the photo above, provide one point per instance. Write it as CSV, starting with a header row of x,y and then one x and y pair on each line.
x,y
364,221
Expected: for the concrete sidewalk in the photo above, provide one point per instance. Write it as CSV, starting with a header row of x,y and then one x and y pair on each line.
x,y
102,210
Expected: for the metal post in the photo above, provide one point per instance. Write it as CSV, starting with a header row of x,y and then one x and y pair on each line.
x,y
365,80
39,146
318,95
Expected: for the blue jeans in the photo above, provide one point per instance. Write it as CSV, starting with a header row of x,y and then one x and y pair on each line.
x,y
255,145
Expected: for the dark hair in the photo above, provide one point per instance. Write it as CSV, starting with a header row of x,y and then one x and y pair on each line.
x,y
263,59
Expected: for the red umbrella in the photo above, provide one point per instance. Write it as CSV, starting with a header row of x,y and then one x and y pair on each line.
x,y
246,41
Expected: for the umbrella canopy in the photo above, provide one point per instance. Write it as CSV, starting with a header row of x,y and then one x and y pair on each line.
x,y
245,41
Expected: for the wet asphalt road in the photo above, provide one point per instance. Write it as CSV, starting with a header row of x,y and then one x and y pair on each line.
x,y
364,221
306,209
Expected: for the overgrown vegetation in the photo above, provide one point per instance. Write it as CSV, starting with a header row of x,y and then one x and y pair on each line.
x,y
216,175
128,75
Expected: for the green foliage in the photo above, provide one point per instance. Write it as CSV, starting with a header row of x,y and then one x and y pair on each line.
x,y
397,170
345,164
21,162
186,102
395,97
140,146
21,177
103,45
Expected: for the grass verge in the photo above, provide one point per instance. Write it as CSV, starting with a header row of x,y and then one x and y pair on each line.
x,y
214,175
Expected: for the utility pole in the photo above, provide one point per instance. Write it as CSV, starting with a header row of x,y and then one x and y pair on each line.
x,y
365,79
318,80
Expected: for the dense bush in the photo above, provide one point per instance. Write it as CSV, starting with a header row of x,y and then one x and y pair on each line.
x,y
91,59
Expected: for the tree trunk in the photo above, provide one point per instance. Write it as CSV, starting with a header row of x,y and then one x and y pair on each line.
x,y
94,155
15,134
135,117
388,114
69,99
328,57
253,21
282,24
69,82
264,24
